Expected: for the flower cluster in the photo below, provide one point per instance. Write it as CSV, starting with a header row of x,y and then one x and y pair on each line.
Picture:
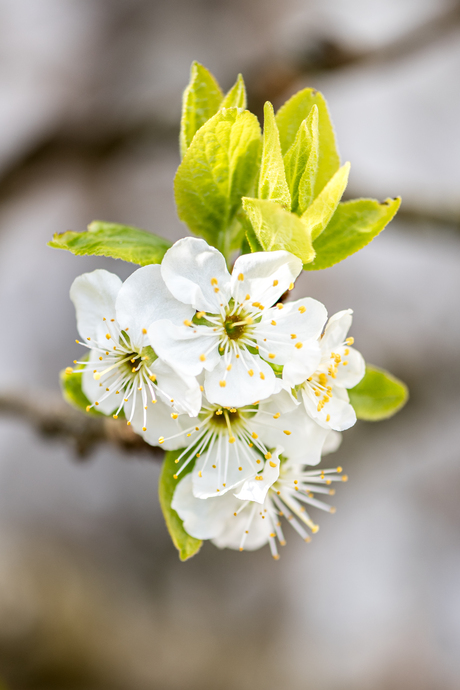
x,y
249,389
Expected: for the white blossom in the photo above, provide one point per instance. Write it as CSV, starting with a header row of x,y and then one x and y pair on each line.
x,y
122,370
236,333
323,389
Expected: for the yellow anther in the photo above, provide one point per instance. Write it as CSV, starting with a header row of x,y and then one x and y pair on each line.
x,y
200,314
144,428
279,305
277,415
176,461
287,432
249,320
346,351
241,276
240,469
345,478
144,331
198,455
262,375
345,363
88,407
97,376
174,415
317,393
267,456
86,339
214,281
229,367
328,418
299,345
302,309
350,341
107,335
231,439
275,283
69,371
187,322
272,464
161,439
271,355
175,476
199,474
201,388
250,372
115,416
259,478
314,528
152,377
216,290
291,286
202,358
322,378
222,384
273,323
254,435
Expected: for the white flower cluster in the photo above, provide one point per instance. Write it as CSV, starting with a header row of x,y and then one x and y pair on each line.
x,y
253,390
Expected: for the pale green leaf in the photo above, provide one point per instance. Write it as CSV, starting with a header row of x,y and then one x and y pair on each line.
x,y
276,228
114,240
200,101
218,169
320,212
353,225
236,97
186,545
301,163
289,118
272,178
72,391
378,395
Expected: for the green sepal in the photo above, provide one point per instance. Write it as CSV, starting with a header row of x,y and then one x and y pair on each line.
x,y
236,97
276,228
353,225
378,395
72,391
320,212
290,117
186,545
218,169
301,163
117,241
272,178
200,101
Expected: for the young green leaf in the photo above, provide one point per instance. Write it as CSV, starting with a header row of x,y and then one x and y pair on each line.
x,y
111,239
186,545
276,228
236,97
72,391
289,118
301,163
200,101
353,225
272,179
378,395
320,212
218,169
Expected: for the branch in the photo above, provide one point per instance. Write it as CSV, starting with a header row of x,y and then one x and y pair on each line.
x,y
52,417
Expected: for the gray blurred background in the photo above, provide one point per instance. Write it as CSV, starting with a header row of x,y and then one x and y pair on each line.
x,y
92,594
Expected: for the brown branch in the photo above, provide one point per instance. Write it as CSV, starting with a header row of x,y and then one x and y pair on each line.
x,y
52,417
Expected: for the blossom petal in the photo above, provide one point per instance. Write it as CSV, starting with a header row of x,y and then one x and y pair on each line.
x,y
94,295
203,519
256,488
336,414
250,520
336,330
332,442
218,470
350,374
264,276
190,270
241,387
95,390
177,389
144,298
160,423
185,348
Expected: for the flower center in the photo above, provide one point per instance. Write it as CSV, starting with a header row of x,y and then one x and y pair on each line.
x,y
237,326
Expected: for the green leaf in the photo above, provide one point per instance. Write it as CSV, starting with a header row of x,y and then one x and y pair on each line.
x,y
200,101
236,97
378,395
272,179
218,169
301,163
115,240
186,545
289,118
72,390
320,212
277,228
353,225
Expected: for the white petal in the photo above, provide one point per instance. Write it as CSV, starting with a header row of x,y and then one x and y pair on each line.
x,y
227,458
144,298
94,295
203,519
302,364
264,276
190,269
159,423
256,488
179,390
332,442
184,347
336,330
339,410
241,388
350,374
95,390
258,529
